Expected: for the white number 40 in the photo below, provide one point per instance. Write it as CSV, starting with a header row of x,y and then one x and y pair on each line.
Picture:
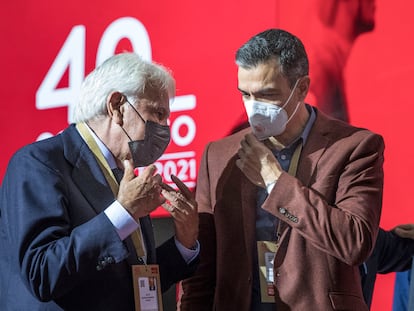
x,y
72,56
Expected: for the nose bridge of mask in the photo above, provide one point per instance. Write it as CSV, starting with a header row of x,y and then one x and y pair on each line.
x,y
255,106
265,109
257,112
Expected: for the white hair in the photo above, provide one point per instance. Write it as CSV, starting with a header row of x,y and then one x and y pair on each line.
x,y
126,73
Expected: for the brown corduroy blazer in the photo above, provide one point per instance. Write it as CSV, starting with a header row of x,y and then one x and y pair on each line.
x,y
330,214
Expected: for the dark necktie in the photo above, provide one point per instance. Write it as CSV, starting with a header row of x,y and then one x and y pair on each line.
x,y
118,173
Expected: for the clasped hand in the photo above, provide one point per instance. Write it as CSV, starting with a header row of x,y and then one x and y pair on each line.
x,y
405,231
141,194
182,206
257,162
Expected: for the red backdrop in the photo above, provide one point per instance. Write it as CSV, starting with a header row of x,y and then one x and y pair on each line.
x,y
49,46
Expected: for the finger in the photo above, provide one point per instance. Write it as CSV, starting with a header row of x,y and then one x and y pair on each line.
x,y
168,206
166,187
405,226
136,171
157,179
183,188
241,153
182,211
128,170
177,216
402,233
174,212
251,139
171,196
157,189
149,171
161,200
176,200
244,144
247,140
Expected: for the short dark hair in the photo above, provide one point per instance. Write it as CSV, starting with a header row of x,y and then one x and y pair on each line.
x,y
279,45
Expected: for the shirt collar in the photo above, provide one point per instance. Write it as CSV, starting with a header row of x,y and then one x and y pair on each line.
x,y
104,149
309,123
306,130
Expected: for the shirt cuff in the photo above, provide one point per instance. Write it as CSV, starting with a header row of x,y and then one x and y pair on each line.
x,y
270,187
123,222
188,254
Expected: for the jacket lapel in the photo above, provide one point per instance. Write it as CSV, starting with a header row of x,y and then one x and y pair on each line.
x,y
314,148
86,173
248,200
90,180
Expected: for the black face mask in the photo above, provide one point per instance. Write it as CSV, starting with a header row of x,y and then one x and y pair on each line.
x,y
156,140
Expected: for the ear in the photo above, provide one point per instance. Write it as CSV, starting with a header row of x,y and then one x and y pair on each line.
x,y
114,107
303,87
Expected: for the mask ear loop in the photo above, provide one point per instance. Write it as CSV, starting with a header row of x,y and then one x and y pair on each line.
x,y
136,112
291,116
126,133
139,115
290,96
291,93
121,103
127,101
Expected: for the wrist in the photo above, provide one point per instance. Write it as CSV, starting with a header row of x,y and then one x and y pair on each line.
x,y
188,244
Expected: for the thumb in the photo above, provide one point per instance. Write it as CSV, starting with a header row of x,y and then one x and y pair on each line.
x,y
128,170
405,231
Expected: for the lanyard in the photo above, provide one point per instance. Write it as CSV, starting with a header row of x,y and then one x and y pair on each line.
x,y
293,167
136,236
106,170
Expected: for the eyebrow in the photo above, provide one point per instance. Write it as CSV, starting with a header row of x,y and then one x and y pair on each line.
x,y
261,91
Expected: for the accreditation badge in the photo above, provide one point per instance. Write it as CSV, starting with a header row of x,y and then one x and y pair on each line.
x,y
147,288
266,253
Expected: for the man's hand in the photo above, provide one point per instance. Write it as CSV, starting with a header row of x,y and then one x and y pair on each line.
x,y
140,195
257,162
182,206
405,231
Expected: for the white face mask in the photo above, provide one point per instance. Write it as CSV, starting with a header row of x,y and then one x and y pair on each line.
x,y
268,119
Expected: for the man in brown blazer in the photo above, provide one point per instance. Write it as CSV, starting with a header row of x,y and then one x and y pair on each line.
x,y
297,194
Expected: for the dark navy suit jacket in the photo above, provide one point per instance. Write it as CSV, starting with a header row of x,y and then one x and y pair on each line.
x,y
391,254
58,250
